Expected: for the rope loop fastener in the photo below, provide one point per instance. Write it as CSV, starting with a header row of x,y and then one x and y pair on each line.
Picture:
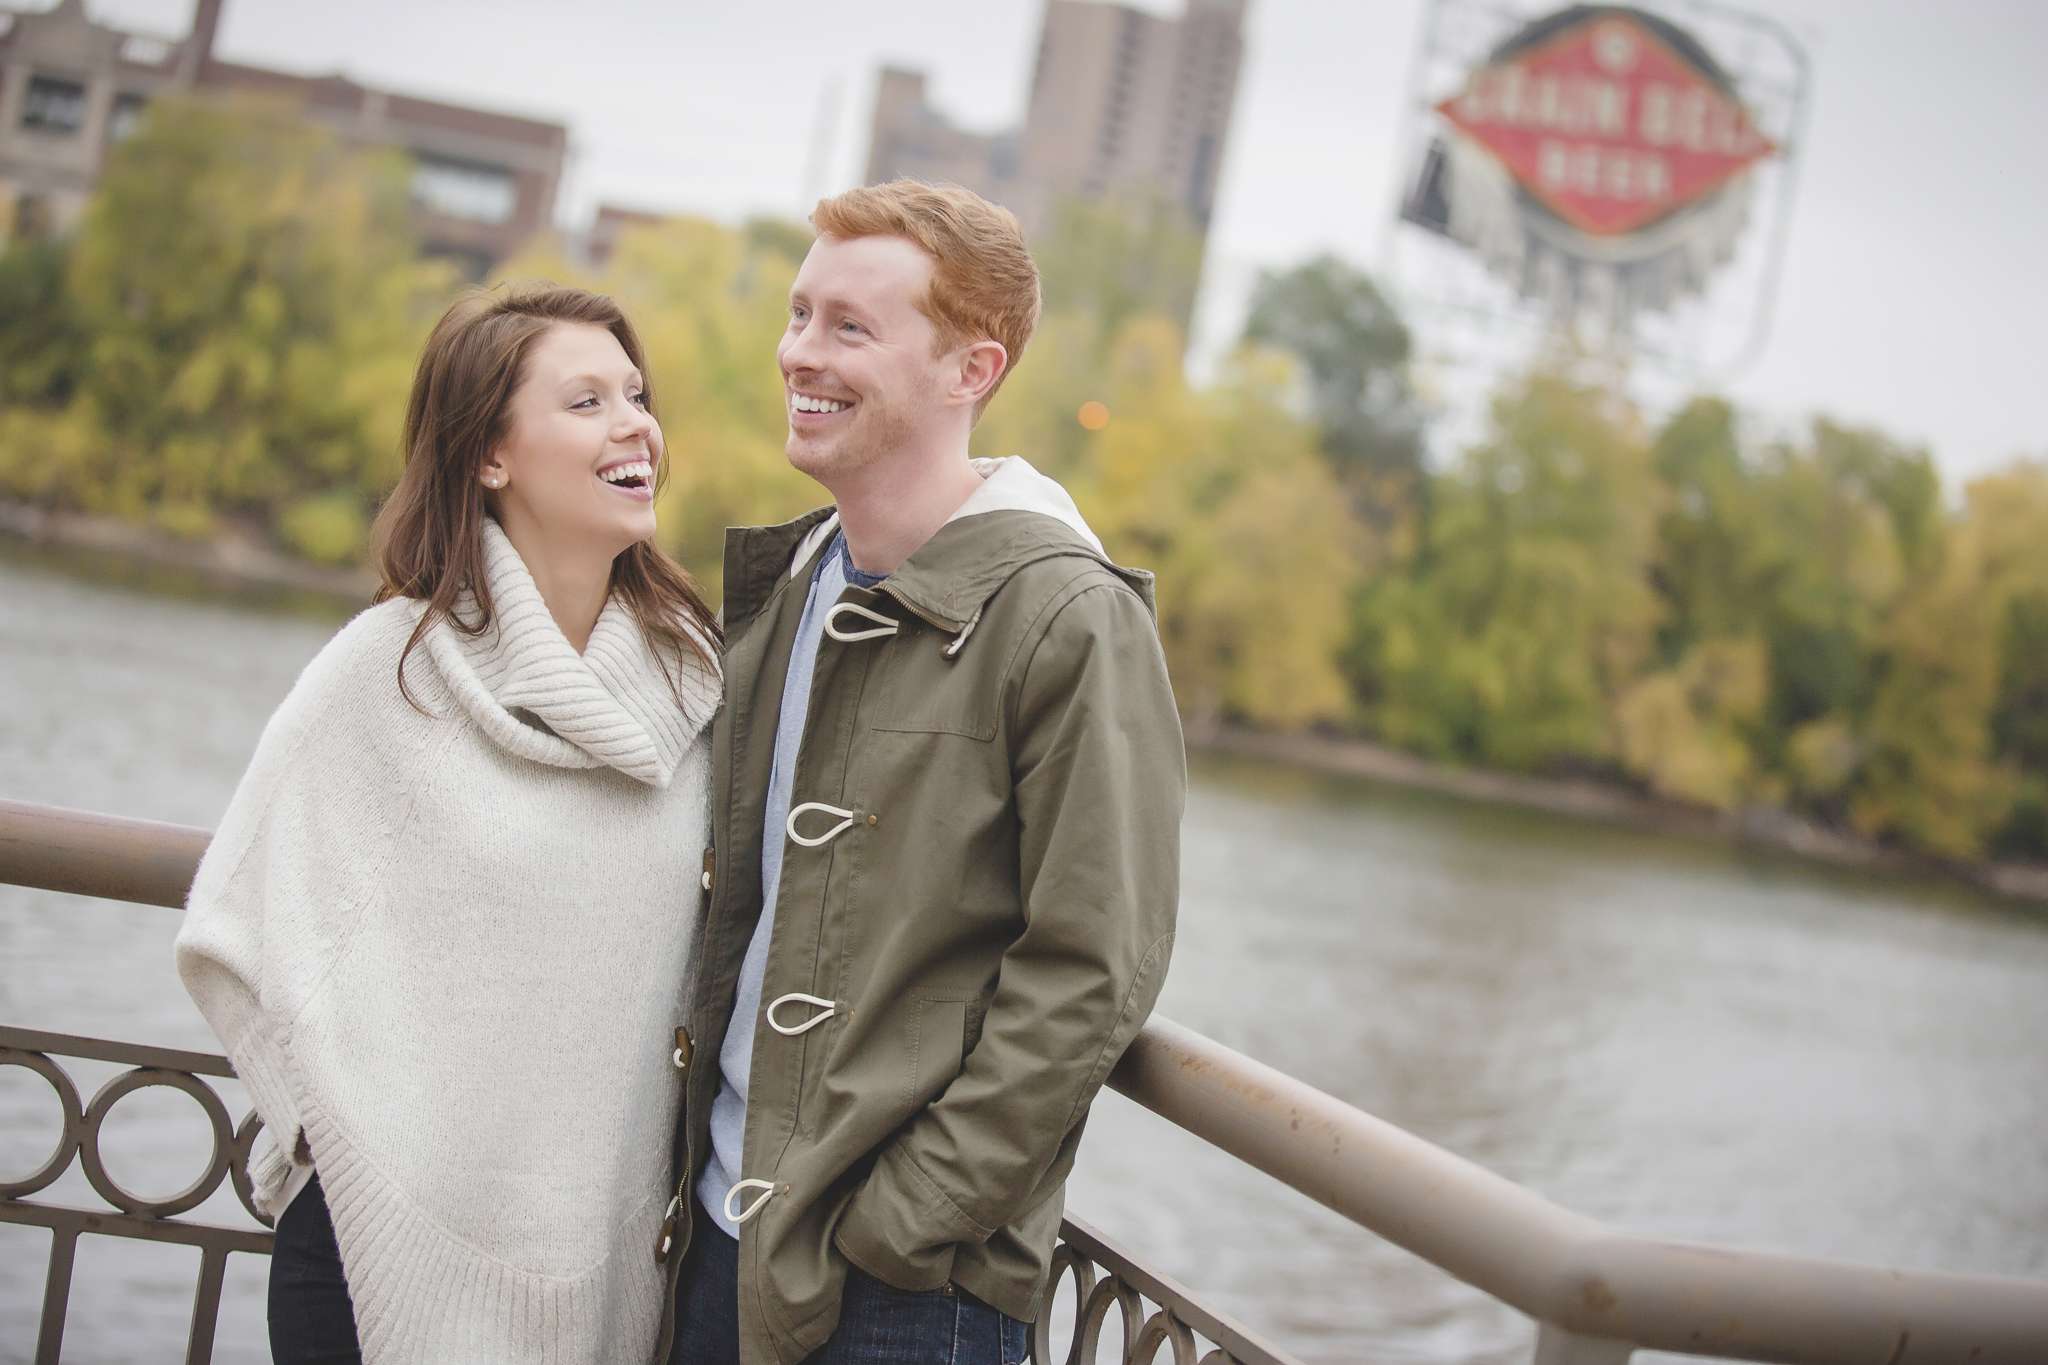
x,y
845,823
768,1191
826,1008
884,627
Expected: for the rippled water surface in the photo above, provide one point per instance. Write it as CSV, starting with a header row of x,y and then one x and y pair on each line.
x,y
1682,1039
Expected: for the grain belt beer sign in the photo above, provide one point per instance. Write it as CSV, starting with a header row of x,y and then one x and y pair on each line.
x,y
1607,125
1599,153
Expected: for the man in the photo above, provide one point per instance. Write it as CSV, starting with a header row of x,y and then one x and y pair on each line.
x,y
945,863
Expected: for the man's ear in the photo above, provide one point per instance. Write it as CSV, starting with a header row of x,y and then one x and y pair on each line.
x,y
982,363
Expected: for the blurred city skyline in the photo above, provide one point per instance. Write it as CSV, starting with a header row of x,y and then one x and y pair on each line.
x,y
1915,294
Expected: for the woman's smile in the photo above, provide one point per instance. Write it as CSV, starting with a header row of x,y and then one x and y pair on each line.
x,y
632,476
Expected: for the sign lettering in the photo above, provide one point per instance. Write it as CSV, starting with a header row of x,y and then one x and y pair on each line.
x,y
1608,126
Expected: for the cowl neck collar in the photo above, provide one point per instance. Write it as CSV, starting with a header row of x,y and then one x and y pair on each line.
x,y
528,689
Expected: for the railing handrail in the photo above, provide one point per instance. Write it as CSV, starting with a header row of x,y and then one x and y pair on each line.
x,y
1561,1267
1597,1292
110,856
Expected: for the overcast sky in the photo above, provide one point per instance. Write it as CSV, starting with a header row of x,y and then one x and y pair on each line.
x,y
1915,293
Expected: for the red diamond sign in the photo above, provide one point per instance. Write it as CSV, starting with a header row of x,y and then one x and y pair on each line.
x,y
1608,125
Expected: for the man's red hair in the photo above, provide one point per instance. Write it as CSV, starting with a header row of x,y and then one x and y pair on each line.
x,y
984,282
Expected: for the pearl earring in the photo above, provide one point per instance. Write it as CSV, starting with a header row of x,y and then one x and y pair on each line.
x,y
493,481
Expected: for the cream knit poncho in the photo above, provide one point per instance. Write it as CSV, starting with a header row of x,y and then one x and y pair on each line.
x,y
450,952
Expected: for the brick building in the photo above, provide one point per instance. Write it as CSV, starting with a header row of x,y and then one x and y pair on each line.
x,y
484,182
1124,105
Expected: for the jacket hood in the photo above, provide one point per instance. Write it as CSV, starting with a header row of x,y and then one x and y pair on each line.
x,y
1010,484
1016,518
528,689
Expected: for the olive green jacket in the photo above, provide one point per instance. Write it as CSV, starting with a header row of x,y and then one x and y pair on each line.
x,y
992,924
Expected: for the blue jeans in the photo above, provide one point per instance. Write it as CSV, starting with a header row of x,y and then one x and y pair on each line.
x,y
878,1323
312,1321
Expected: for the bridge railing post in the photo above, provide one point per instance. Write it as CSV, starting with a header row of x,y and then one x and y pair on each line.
x,y
1556,1346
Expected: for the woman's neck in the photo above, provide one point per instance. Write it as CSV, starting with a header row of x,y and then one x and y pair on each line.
x,y
574,583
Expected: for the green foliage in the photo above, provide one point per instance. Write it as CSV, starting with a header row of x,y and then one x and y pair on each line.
x,y
1116,261
1803,550
1689,730
1218,492
1035,412
1798,623
1845,518
1221,495
1528,607
2019,717
1711,565
1353,348
327,528
42,347
1948,767
253,302
780,237
1731,622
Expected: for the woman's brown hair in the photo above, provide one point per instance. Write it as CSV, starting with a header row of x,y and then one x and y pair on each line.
x,y
429,538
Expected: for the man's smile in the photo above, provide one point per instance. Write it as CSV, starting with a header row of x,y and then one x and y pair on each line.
x,y
806,403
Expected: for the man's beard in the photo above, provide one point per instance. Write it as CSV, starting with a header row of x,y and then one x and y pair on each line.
x,y
876,431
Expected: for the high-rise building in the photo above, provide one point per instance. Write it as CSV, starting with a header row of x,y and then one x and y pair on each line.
x,y
913,139
1125,106
69,88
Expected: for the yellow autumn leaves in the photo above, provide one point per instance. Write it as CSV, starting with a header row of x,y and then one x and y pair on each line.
x,y
1734,619
229,337
1734,622
1219,492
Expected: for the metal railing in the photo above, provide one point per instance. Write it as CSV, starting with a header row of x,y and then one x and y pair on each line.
x,y
1596,1294
152,864
1105,1277
150,1220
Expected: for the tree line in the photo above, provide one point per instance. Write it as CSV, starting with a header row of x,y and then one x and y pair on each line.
x,y
1706,612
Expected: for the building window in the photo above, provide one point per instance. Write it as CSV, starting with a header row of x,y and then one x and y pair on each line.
x,y
465,190
53,106
127,116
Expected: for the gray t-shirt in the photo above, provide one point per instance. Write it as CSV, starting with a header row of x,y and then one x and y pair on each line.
x,y
736,1058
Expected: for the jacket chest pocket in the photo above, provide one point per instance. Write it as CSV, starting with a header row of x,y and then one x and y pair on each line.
x,y
968,717
919,691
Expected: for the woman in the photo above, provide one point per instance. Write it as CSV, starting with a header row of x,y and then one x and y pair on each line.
x,y
442,930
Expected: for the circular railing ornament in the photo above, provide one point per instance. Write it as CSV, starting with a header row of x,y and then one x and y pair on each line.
x,y
1069,1263
217,1162
1096,1290
70,1134
238,1167
1110,1290
1160,1328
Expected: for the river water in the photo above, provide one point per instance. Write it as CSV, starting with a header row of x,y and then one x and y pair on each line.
x,y
1681,1039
